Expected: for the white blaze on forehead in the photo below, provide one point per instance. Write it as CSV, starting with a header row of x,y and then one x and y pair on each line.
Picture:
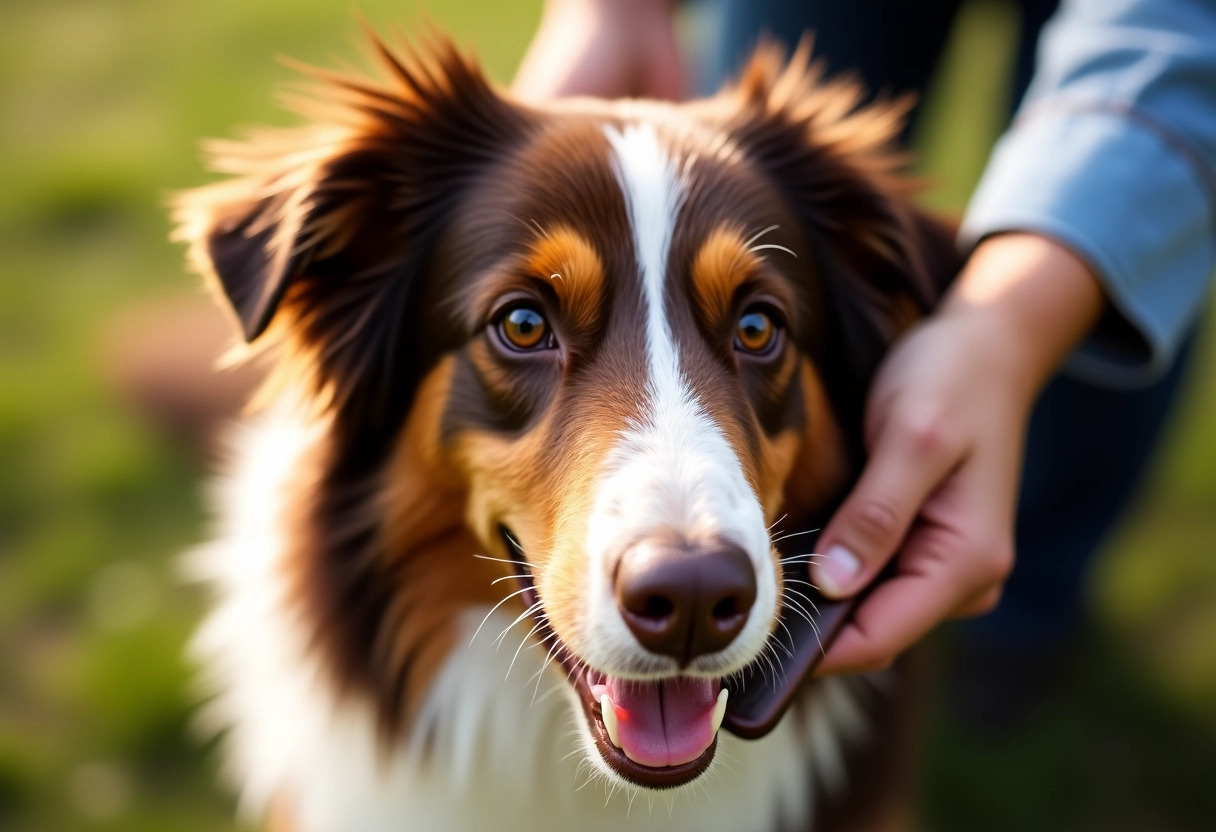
x,y
672,471
653,195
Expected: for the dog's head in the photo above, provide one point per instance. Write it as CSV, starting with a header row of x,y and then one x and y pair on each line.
x,y
609,344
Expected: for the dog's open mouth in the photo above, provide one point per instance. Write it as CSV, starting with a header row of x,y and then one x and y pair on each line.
x,y
654,733
663,733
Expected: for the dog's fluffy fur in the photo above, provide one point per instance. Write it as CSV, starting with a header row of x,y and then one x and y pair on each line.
x,y
358,664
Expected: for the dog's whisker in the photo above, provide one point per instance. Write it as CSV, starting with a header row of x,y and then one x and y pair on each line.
x,y
518,548
522,563
759,234
770,660
797,605
537,642
778,677
632,797
805,562
788,579
776,247
775,522
519,618
804,583
510,578
522,642
804,597
540,674
790,635
491,612
794,605
798,609
542,641
818,635
773,661
808,557
788,535
800,581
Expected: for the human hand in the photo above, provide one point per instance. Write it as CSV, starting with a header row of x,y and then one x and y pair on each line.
x,y
605,48
945,426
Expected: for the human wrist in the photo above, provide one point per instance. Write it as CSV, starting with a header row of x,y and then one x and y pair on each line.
x,y
1031,299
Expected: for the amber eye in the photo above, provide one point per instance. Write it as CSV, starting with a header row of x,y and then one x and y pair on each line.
x,y
756,332
524,328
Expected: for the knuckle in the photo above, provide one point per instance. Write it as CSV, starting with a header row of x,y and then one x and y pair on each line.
x,y
939,549
877,521
998,560
988,603
983,605
929,433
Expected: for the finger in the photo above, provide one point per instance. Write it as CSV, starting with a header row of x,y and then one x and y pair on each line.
x,y
909,461
937,574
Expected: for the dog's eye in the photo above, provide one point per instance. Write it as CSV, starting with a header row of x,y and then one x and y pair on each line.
x,y
524,328
756,332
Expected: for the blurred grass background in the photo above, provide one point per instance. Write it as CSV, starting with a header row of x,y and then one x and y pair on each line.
x,y
102,104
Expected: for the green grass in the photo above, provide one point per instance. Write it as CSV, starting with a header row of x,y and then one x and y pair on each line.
x,y
101,107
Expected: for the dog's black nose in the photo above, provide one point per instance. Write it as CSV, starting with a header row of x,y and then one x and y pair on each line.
x,y
685,601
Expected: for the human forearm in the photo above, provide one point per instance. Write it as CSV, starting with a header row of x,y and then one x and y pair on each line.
x,y
606,48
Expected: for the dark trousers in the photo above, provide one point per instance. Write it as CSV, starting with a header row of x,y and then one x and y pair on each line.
x,y
1087,447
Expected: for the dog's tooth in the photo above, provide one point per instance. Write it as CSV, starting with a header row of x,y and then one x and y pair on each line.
x,y
720,709
608,716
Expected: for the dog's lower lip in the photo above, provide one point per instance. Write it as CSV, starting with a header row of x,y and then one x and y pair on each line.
x,y
654,777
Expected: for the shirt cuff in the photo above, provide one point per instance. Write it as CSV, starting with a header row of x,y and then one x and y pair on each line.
x,y
1125,197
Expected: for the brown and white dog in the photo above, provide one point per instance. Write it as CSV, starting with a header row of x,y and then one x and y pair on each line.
x,y
549,378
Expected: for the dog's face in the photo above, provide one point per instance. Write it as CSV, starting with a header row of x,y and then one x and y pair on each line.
x,y
616,343
632,401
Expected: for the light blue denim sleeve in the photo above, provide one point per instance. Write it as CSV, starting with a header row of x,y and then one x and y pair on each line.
x,y
1114,154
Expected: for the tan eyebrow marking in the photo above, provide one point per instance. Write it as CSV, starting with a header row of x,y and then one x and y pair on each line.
x,y
723,262
570,263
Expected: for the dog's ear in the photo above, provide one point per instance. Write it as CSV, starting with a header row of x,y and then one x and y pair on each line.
x,y
325,229
880,262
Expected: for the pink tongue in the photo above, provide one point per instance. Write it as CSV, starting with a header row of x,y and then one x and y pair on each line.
x,y
663,723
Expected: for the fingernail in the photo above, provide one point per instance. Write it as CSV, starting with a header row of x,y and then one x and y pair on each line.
x,y
838,571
